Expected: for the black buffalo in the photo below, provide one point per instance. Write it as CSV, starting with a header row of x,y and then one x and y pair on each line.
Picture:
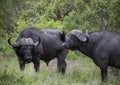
x,y
102,47
34,45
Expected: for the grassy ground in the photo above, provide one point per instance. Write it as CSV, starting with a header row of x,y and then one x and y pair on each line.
x,y
80,71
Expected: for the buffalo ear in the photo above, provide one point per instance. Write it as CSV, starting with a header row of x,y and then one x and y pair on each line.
x,y
62,36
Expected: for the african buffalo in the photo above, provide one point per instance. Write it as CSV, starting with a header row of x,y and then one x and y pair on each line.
x,y
102,47
34,45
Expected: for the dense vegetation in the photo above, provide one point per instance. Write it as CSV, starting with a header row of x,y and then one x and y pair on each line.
x,y
92,15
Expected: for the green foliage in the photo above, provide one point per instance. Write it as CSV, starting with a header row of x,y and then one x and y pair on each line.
x,y
80,14
115,14
64,14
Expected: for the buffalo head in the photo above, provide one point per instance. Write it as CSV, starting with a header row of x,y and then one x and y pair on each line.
x,y
24,48
75,38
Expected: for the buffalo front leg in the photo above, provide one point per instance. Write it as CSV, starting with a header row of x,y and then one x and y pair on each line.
x,y
22,65
36,64
61,65
61,68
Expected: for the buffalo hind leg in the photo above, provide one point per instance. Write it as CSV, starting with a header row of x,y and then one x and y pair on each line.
x,y
104,72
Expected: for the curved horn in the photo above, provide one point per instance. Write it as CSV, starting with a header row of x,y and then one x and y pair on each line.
x,y
12,44
38,42
87,34
10,41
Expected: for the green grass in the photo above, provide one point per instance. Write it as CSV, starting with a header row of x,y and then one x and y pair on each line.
x,y
80,71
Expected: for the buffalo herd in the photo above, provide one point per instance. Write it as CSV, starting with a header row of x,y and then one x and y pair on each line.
x,y
33,45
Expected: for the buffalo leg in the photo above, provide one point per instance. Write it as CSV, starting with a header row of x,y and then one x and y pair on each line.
x,y
104,72
36,64
61,67
22,65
